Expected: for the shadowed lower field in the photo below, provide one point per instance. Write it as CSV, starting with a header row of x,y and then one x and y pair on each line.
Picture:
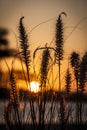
x,y
52,127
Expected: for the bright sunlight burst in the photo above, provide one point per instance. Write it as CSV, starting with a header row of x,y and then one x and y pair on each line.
x,y
34,86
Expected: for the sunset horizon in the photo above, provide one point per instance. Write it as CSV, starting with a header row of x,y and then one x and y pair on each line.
x,y
43,65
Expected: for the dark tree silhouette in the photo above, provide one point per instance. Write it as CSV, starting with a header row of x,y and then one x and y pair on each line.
x,y
3,41
4,45
8,53
5,52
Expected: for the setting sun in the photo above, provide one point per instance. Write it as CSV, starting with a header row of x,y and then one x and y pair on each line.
x,y
34,86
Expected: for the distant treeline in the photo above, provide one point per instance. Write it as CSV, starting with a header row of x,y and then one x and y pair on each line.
x,y
27,95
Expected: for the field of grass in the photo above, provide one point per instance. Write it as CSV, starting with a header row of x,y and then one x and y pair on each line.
x,y
40,113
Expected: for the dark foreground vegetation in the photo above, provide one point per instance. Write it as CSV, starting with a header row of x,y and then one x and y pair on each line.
x,y
39,113
52,127
28,95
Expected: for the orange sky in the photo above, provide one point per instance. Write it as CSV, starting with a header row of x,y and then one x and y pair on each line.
x,y
37,11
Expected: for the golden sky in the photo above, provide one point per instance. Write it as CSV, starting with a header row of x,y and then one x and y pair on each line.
x,y
37,11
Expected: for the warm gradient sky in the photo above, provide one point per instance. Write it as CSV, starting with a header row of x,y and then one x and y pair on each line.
x,y
37,11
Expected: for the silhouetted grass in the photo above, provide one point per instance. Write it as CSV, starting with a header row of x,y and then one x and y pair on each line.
x,y
42,105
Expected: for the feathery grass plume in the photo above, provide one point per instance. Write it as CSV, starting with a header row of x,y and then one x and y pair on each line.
x,y
14,99
83,81
68,82
14,96
26,58
59,38
12,108
59,43
75,60
24,47
75,63
44,67
83,72
43,78
44,63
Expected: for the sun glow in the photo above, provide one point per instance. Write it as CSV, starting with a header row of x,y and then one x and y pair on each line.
x,y
34,86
